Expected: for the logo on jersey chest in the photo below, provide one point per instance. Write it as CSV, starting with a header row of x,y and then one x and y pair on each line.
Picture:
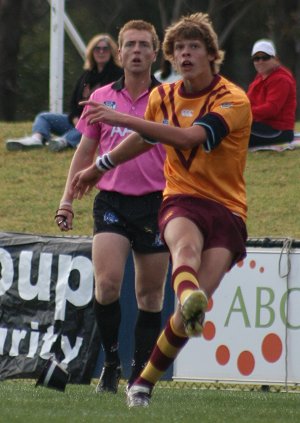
x,y
110,104
187,113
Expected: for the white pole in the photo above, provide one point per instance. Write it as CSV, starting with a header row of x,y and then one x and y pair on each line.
x,y
74,36
56,55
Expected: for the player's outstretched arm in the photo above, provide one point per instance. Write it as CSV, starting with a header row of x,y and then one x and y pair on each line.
x,y
184,138
98,112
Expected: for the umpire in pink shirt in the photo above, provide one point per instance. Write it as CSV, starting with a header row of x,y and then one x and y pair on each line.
x,y
125,209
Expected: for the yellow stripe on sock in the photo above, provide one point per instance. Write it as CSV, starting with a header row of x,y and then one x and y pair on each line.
x,y
165,347
177,333
151,374
184,276
184,295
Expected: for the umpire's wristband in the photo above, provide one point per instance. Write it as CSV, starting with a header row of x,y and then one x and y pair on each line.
x,y
104,163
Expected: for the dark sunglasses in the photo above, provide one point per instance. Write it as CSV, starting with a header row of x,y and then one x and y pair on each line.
x,y
264,58
101,49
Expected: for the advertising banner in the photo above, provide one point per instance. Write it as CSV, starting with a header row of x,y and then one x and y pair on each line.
x,y
46,293
251,332
252,327
46,308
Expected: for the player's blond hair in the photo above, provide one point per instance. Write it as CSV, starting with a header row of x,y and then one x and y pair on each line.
x,y
197,26
140,25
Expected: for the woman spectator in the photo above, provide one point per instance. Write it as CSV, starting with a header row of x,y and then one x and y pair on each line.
x,y
101,67
273,98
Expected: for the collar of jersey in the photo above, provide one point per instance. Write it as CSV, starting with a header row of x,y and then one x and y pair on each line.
x,y
119,84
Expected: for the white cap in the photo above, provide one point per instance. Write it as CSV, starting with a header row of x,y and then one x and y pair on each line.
x,y
265,46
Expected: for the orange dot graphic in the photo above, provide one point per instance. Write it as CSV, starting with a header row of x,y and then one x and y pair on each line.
x,y
246,363
222,355
210,304
271,347
252,264
240,263
209,331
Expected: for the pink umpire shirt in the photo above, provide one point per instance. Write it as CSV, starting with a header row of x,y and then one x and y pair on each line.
x,y
139,176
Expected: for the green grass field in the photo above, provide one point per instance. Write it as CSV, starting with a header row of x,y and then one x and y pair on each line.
x,y
32,183
31,186
22,402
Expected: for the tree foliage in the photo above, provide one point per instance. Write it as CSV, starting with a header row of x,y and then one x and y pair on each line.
x,y
24,52
9,48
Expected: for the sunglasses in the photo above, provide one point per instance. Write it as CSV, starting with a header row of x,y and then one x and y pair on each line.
x,y
99,49
264,58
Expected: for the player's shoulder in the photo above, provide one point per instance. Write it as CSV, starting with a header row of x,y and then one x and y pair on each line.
x,y
233,88
164,89
101,92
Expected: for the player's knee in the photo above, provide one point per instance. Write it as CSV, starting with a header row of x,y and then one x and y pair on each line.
x,y
150,300
186,253
106,291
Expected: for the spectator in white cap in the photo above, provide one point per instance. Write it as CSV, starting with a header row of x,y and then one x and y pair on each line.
x,y
273,98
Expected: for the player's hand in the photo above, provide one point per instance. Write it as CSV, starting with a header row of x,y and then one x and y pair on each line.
x,y
98,112
64,218
84,181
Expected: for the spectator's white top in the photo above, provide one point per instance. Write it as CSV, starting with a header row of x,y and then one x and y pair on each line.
x,y
173,77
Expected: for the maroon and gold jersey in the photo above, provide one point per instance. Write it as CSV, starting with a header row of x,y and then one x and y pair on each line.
x,y
215,169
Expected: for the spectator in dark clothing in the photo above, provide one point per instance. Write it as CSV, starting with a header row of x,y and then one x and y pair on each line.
x,y
101,67
272,95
